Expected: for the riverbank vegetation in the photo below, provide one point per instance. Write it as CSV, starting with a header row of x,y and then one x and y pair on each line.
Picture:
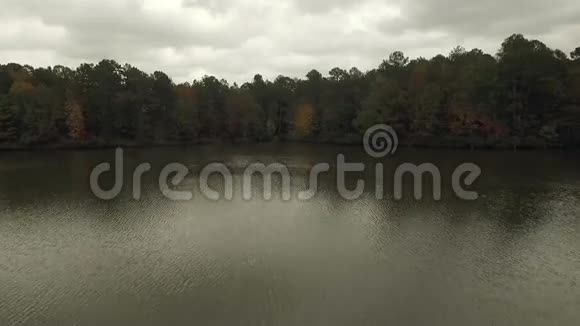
x,y
526,95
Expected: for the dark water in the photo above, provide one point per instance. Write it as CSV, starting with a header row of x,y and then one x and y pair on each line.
x,y
510,258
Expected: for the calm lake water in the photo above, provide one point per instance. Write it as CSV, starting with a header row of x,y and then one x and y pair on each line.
x,y
510,258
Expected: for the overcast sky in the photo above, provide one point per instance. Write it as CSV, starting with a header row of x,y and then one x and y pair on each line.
x,y
235,39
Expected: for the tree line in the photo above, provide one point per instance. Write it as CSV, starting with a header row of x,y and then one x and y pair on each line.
x,y
527,95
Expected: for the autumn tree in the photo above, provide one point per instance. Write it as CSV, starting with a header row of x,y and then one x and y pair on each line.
x,y
304,121
527,93
75,119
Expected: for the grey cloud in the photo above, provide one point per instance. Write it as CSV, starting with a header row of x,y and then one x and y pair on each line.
x,y
235,39
322,6
486,18
210,5
127,24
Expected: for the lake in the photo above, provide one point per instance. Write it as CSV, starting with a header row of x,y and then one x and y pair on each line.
x,y
511,257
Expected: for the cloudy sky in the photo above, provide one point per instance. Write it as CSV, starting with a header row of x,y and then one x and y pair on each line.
x,y
235,39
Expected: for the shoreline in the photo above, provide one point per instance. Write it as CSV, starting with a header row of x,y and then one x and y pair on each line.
x,y
446,145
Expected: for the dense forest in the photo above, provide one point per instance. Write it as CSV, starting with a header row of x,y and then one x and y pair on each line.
x,y
526,96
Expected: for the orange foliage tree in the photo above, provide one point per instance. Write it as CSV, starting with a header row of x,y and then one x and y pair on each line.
x,y
75,119
304,121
